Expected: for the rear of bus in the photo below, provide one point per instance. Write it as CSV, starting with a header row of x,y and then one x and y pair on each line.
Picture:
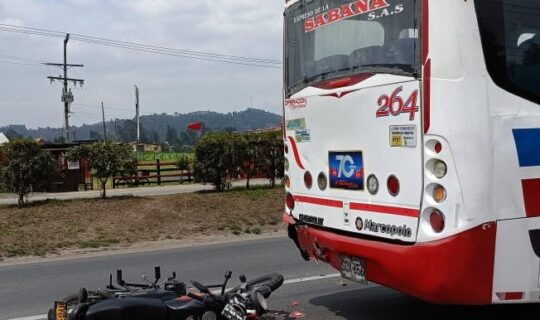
x,y
363,180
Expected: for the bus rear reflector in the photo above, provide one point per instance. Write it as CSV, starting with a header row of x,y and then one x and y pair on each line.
x,y
287,181
289,201
393,185
436,219
308,180
322,181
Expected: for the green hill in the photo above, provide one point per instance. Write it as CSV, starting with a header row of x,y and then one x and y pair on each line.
x,y
156,128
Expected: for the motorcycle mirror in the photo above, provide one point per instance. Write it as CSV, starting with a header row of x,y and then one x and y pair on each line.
x,y
173,276
243,278
228,275
157,272
119,279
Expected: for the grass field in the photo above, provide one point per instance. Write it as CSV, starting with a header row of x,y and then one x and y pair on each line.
x,y
55,226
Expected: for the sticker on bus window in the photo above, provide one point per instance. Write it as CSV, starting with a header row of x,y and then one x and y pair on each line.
x,y
327,14
403,136
303,136
296,124
346,170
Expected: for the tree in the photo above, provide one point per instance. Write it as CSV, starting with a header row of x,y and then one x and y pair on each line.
x,y
273,158
3,163
248,154
27,167
106,160
215,159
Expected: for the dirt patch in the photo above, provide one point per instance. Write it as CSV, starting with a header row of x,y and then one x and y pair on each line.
x,y
54,226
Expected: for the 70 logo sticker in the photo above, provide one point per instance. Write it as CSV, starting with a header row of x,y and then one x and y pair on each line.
x,y
393,104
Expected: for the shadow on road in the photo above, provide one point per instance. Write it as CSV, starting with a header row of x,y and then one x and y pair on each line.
x,y
382,303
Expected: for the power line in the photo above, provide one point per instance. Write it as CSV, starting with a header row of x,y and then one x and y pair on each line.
x,y
16,58
22,63
190,54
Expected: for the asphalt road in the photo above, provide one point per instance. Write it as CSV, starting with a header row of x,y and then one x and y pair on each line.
x,y
29,289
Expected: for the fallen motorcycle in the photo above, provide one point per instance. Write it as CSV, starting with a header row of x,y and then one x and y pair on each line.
x,y
170,300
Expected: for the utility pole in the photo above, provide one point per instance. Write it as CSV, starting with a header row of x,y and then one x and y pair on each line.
x,y
137,114
104,125
67,95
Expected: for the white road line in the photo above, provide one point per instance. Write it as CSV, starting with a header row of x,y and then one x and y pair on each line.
x,y
321,277
40,317
290,281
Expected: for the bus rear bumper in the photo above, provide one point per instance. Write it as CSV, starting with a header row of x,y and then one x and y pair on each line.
x,y
455,270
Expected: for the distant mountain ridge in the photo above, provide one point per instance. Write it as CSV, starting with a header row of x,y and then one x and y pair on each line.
x,y
156,126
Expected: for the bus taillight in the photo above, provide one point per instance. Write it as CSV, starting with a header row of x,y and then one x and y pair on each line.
x,y
439,169
287,181
439,193
436,219
289,201
437,148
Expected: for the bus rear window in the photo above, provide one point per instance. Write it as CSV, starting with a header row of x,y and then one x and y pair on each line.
x,y
328,39
510,31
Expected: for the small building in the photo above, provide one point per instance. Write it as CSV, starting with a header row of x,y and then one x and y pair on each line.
x,y
75,175
145,147
3,139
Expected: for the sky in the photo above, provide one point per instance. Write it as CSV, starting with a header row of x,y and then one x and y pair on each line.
x,y
168,84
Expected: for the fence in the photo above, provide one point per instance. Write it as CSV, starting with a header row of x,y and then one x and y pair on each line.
x,y
157,172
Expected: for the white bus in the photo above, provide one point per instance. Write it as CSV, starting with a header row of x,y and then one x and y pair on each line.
x,y
412,144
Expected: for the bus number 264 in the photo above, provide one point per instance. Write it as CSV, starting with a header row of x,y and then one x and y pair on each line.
x,y
394,105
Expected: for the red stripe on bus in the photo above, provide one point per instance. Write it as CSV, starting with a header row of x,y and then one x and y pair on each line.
x,y
385,209
296,154
319,201
531,190
426,100
359,206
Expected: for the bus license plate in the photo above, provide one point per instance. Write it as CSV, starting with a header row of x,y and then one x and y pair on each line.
x,y
354,269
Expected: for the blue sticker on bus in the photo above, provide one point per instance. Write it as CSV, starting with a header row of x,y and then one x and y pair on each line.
x,y
528,146
346,170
